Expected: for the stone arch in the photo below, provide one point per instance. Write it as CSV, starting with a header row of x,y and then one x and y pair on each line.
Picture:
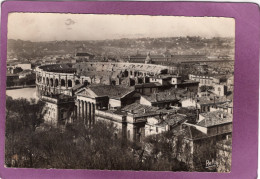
x,y
140,80
56,83
113,82
69,83
39,78
51,82
126,73
146,80
86,82
131,82
62,82
47,81
77,82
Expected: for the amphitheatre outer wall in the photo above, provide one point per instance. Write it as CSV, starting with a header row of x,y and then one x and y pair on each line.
x,y
63,78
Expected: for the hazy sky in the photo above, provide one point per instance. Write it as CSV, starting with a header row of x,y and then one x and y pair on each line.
x,y
53,26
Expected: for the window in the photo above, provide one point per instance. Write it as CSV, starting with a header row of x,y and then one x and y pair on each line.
x,y
69,83
62,82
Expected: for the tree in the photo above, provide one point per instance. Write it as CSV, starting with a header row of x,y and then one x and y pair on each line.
x,y
22,119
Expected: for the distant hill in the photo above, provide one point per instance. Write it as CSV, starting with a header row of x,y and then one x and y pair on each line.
x,y
175,45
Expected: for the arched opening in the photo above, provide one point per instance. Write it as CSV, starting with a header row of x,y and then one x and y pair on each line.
x,y
47,81
51,82
56,82
62,82
147,80
126,73
86,82
39,79
140,80
113,82
69,83
43,80
77,82
131,82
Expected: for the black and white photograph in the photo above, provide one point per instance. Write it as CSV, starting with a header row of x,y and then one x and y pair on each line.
x,y
119,92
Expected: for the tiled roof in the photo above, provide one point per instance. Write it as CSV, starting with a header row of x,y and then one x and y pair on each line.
x,y
111,91
173,119
161,97
148,85
137,108
211,100
78,86
215,118
227,104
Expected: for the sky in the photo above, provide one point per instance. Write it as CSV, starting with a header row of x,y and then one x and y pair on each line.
x,y
58,26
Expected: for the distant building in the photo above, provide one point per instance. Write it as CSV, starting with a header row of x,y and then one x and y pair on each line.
x,y
175,81
219,89
84,56
204,103
226,107
160,99
207,80
164,58
24,66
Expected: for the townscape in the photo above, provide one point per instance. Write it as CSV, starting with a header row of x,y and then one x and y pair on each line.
x,y
123,104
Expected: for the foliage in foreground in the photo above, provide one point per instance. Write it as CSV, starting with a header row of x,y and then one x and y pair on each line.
x,y
32,144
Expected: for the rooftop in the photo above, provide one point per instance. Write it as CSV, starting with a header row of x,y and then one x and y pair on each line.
x,y
215,118
211,99
78,86
227,104
165,76
173,119
136,108
161,97
111,91
148,85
